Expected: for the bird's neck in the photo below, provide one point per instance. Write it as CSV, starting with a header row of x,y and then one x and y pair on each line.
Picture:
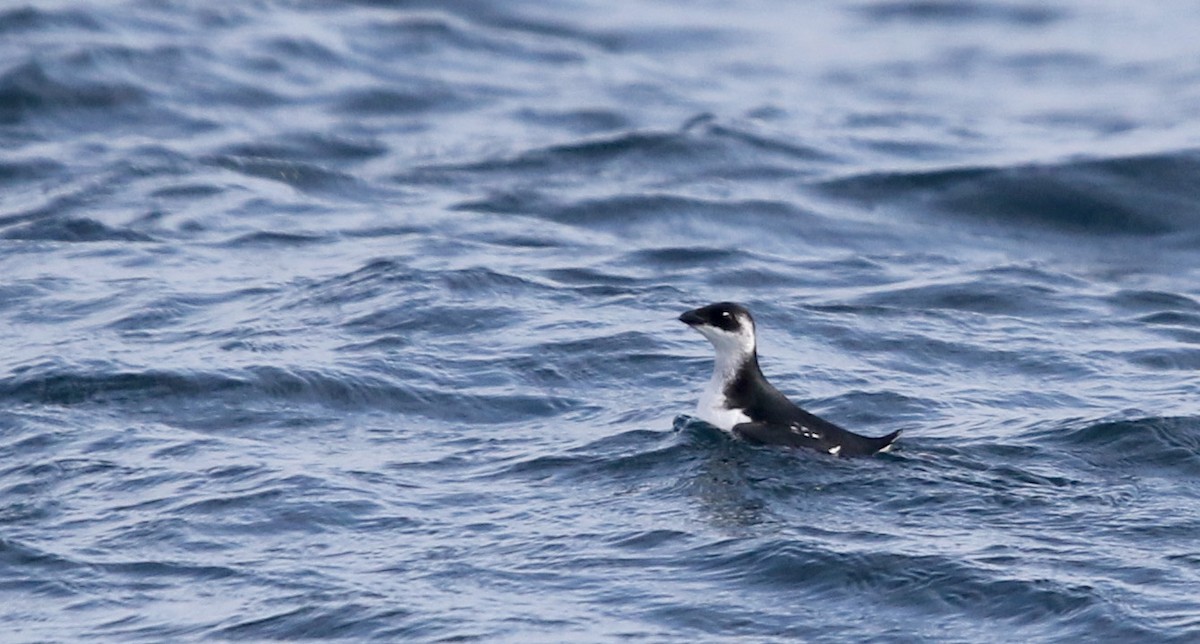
x,y
728,364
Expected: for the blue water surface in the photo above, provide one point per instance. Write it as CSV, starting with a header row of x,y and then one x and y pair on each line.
x,y
356,320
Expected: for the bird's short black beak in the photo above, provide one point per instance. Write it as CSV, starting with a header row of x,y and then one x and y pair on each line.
x,y
691,318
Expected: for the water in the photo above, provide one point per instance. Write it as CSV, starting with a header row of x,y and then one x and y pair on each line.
x,y
356,320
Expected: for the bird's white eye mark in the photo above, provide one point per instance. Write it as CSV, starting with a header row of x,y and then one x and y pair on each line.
x,y
725,313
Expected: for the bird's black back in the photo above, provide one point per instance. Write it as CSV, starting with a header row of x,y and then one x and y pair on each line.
x,y
778,421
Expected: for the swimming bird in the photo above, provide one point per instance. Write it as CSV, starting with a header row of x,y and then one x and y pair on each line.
x,y
739,399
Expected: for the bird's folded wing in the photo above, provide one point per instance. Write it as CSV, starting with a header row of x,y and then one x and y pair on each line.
x,y
834,440
775,434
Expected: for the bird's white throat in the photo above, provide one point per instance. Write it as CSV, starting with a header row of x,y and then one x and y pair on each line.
x,y
733,351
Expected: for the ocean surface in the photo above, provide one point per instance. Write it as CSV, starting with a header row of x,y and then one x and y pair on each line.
x,y
356,320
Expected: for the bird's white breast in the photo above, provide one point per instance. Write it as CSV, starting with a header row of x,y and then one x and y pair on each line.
x,y
713,409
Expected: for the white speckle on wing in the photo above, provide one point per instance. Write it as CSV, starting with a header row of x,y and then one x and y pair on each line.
x,y
835,450
805,431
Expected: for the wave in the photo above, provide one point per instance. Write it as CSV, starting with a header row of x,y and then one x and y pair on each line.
x,y
372,102
408,394
303,176
480,32
968,11
265,239
309,146
1154,446
29,90
1135,195
657,210
30,19
13,172
704,146
73,229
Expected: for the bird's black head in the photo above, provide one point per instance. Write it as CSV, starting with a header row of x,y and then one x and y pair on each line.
x,y
726,316
728,326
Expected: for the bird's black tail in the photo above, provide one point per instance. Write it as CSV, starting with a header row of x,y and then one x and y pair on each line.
x,y
884,443
858,445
